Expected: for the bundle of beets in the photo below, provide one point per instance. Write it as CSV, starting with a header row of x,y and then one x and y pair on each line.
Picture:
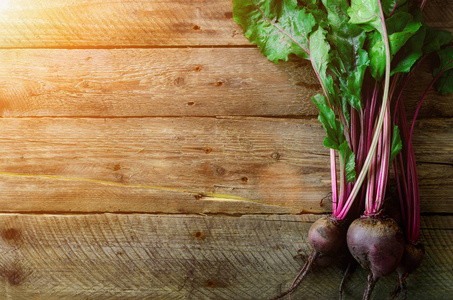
x,y
364,53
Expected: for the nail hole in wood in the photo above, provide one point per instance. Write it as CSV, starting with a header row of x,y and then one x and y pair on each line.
x,y
275,155
210,283
199,235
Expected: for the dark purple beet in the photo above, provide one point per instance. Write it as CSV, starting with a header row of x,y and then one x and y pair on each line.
x,y
377,243
412,258
327,236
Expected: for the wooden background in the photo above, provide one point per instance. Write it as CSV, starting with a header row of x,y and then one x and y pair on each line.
x,y
148,151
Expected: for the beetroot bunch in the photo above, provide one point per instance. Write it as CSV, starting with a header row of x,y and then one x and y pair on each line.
x,y
363,52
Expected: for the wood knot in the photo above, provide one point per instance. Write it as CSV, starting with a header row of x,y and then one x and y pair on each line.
x,y
211,283
179,81
199,235
220,171
119,177
15,273
11,234
15,277
228,15
276,156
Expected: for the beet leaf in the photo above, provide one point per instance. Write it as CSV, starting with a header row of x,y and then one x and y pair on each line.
x,y
444,83
279,28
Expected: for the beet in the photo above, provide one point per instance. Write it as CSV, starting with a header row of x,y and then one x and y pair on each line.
x,y
377,244
412,258
327,237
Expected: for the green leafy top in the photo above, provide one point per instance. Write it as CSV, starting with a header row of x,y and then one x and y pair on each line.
x,y
366,13
444,71
344,43
279,28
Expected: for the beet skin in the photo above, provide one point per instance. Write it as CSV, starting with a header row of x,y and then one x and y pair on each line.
x,y
377,243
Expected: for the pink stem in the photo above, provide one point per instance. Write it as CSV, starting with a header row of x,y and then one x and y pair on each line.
x,y
380,120
423,98
415,226
422,6
333,176
342,197
403,87
370,187
400,190
385,161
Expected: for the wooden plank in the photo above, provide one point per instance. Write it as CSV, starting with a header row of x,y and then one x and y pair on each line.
x,y
136,23
152,82
434,105
161,164
111,256
169,82
439,13
188,165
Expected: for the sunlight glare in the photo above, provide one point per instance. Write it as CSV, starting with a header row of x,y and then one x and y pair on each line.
x,y
3,4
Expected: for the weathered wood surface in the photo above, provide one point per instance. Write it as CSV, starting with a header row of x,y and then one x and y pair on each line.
x,y
137,23
112,256
189,165
152,82
188,119
170,82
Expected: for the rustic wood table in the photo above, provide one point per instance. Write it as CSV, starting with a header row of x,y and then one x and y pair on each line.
x,y
148,151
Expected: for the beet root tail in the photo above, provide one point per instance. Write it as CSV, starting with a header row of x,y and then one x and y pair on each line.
x,y
400,287
369,289
300,276
345,275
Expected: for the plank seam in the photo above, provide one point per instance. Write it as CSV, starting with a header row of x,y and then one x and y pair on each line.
x,y
156,213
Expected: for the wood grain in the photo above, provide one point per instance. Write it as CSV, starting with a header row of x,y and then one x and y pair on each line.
x,y
136,23
188,165
152,82
164,107
111,256
438,13
170,82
